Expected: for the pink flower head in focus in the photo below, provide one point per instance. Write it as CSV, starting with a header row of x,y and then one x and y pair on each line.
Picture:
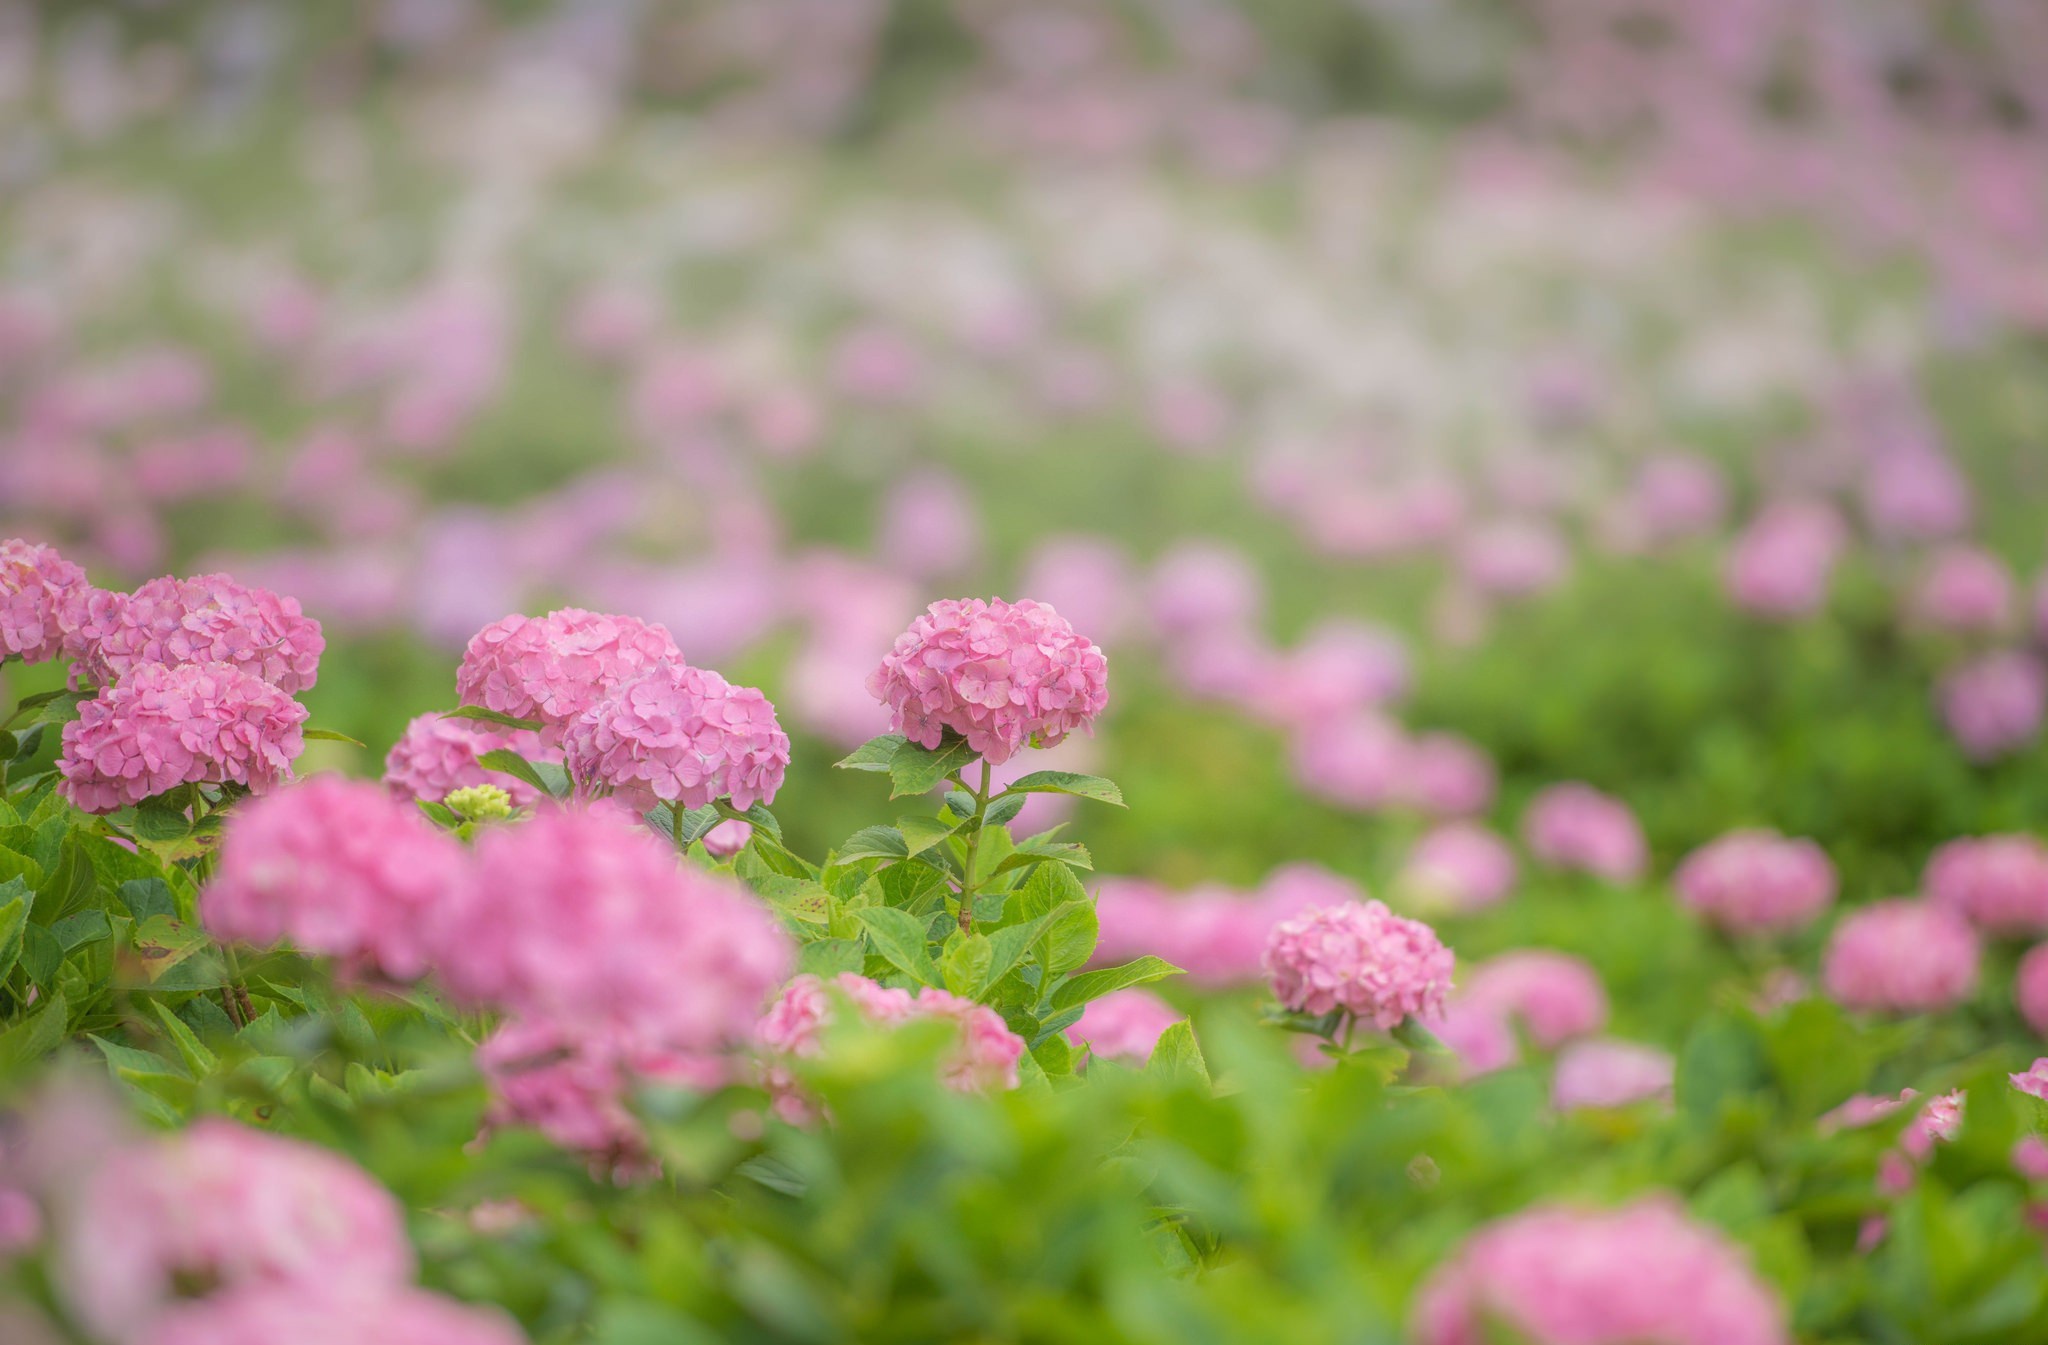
x,y
223,1205
1361,958
1757,882
584,920
1574,826
555,667
1998,883
163,726
1643,1274
1000,674
437,755
1123,1025
1901,956
209,618
42,601
679,735
340,869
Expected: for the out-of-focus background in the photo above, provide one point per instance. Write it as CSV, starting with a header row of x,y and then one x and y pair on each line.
x,y
1423,401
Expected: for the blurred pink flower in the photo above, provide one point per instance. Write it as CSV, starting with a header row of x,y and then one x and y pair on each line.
x,y
1357,761
930,525
1994,705
1643,1274
2030,989
1201,585
1757,881
1901,956
1781,563
1574,826
1999,883
320,1314
1459,867
1447,775
1513,558
1916,493
2034,1080
1123,1025
1088,579
1610,1073
1966,588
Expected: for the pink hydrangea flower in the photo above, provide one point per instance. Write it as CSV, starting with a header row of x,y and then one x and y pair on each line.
x,y
1087,579
1938,1122
986,1057
999,674
209,618
1901,956
229,1207
1677,496
162,726
318,1314
1124,1025
436,756
1555,996
574,1088
42,601
1359,957
1965,589
681,735
1459,866
1916,493
2030,989
1340,667
1203,586
555,667
1999,883
1643,1274
728,838
1357,761
1574,826
1610,1073
1994,705
2034,1081
1757,882
1781,564
2030,1158
587,921
1514,558
1447,775
1861,1110
340,869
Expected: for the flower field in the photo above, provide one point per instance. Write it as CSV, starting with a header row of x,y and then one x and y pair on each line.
x,y
944,670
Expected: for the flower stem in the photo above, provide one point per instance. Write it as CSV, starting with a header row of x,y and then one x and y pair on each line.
x,y
967,883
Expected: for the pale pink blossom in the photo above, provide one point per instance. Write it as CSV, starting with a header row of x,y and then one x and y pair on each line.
x,y
1605,1072
679,735
1361,958
1458,866
2030,989
1994,705
322,1314
1574,826
2033,1081
1999,883
209,618
165,726
1757,881
1967,589
555,667
1781,564
1901,956
437,755
42,602
1123,1025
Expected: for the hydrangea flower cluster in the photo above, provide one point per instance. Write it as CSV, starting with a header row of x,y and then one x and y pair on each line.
x,y
437,755
680,735
1574,826
163,726
340,869
1995,704
555,667
1554,997
2030,989
1643,1274
1000,674
42,601
585,921
986,1058
1361,958
1458,866
1610,1073
312,1315
230,1208
1757,882
1902,957
1998,883
209,618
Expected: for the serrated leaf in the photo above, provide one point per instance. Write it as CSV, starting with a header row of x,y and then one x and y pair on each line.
x,y
1009,945
145,897
966,965
802,899
1178,1054
439,814
1070,939
1003,811
41,955
826,958
14,864
81,928
511,763
872,755
35,1036
916,770
873,843
332,736
1067,782
1091,985
490,717
1067,853
170,956
13,920
922,833
758,816
197,1057
900,937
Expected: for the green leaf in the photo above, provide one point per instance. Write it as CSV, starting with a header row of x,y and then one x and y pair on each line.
x,y
873,843
1008,946
696,822
81,928
1000,812
145,897
512,764
899,937
1178,1054
490,717
41,955
1067,782
35,1036
922,833
966,965
914,770
1069,853
800,899
69,886
826,958
13,919
1721,1059
439,814
16,865
198,1058
758,816
53,707
873,755
1095,984
170,956
330,735
1070,937
152,1076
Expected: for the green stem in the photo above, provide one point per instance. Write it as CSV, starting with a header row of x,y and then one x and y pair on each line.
x,y
967,883
675,824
